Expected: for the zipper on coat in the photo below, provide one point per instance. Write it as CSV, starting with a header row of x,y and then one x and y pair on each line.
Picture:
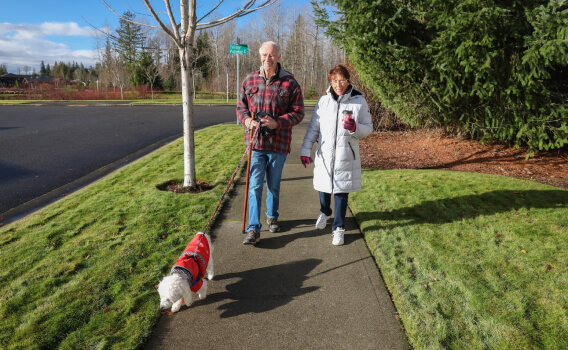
x,y
335,143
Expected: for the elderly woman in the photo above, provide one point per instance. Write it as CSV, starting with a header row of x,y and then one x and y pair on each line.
x,y
340,119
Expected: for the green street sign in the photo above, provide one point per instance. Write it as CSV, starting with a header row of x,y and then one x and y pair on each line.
x,y
238,49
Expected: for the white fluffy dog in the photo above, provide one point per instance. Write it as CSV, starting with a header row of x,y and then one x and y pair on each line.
x,y
187,274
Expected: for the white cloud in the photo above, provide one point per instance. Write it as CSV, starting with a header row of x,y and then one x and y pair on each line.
x,y
66,29
27,45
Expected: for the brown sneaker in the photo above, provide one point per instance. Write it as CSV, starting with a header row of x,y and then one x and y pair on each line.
x,y
273,225
252,237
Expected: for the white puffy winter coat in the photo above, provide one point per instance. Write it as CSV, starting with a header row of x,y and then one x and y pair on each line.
x,y
337,165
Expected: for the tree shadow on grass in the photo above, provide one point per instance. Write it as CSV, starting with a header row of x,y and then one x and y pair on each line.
x,y
448,210
263,289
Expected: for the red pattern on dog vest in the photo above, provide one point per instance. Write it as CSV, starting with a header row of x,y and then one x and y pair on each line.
x,y
190,261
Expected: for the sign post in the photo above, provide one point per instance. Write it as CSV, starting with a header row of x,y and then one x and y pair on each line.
x,y
237,50
227,84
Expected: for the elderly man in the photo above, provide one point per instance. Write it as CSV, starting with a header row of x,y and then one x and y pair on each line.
x,y
273,95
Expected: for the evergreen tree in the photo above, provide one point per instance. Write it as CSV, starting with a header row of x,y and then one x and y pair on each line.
x,y
129,38
489,69
170,83
145,71
202,54
42,70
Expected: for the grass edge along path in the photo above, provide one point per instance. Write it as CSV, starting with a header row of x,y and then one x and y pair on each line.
x,y
472,261
81,273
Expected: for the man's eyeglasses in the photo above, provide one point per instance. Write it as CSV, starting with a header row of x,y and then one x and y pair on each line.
x,y
336,82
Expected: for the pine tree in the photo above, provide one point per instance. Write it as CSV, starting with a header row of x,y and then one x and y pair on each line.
x,y
170,83
129,38
202,54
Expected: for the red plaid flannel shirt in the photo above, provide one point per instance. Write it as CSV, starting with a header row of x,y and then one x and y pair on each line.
x,y
280,97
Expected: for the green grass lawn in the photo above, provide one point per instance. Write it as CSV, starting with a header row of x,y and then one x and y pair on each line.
x,y
80,274
473,261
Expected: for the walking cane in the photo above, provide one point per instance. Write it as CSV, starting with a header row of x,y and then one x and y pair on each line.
x,y
248,175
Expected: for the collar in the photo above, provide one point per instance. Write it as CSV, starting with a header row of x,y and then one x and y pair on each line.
x,y
336,96
276,74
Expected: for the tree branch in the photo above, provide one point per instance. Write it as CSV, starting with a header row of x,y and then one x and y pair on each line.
x,y
213,9
100,30
240,13
126,19
175,26
174,35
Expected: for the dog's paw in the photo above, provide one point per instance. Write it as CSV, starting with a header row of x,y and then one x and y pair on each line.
x,y
177,305
202,292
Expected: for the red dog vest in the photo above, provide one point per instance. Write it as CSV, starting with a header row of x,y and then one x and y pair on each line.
x,y
193,262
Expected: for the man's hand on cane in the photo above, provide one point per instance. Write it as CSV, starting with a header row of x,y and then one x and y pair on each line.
x,y
251,123
270,122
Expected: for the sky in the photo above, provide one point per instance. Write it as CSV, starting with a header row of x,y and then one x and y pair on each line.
x,y
52,31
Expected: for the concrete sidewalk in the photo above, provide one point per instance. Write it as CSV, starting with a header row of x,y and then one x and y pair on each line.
x,y
294,290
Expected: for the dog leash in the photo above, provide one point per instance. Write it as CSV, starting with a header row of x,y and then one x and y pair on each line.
x,y
249,148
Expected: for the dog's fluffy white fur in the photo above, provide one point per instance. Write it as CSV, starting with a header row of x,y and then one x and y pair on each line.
x,y
174,288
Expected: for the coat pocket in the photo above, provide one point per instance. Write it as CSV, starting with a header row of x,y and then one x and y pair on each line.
x,y
253,96
352,150
251,91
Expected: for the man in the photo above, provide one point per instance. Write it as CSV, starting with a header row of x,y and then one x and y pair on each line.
x,y
272,94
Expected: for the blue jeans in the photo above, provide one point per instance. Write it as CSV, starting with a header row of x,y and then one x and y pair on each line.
x,y
271,163
340,200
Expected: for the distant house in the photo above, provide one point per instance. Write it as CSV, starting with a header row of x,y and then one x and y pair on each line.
x,y
10,80
27,81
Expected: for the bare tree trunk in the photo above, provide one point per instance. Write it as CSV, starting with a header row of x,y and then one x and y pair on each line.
x,y
189,178
188,22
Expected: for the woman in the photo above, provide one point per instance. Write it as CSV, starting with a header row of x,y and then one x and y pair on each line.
x,y
337,163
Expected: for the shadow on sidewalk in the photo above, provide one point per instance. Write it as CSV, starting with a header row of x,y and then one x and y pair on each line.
x,y
301,229
261,290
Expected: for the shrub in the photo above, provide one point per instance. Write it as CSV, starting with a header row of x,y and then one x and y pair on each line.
x,y
491,70
382,117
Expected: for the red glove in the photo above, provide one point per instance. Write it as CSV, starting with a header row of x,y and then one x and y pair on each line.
x,y
349,124
305,160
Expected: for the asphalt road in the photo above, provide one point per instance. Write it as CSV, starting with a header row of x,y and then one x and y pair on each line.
x,y
52,149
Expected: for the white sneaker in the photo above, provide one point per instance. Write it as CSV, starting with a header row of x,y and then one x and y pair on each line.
x,y
338,236
321,223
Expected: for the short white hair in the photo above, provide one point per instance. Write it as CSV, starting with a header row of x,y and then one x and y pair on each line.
x,y
270,43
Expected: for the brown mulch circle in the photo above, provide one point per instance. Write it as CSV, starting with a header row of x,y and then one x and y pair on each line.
x,y
173,186
431,149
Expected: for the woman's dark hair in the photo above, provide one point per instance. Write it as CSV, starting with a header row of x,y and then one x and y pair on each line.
x,y
338,69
